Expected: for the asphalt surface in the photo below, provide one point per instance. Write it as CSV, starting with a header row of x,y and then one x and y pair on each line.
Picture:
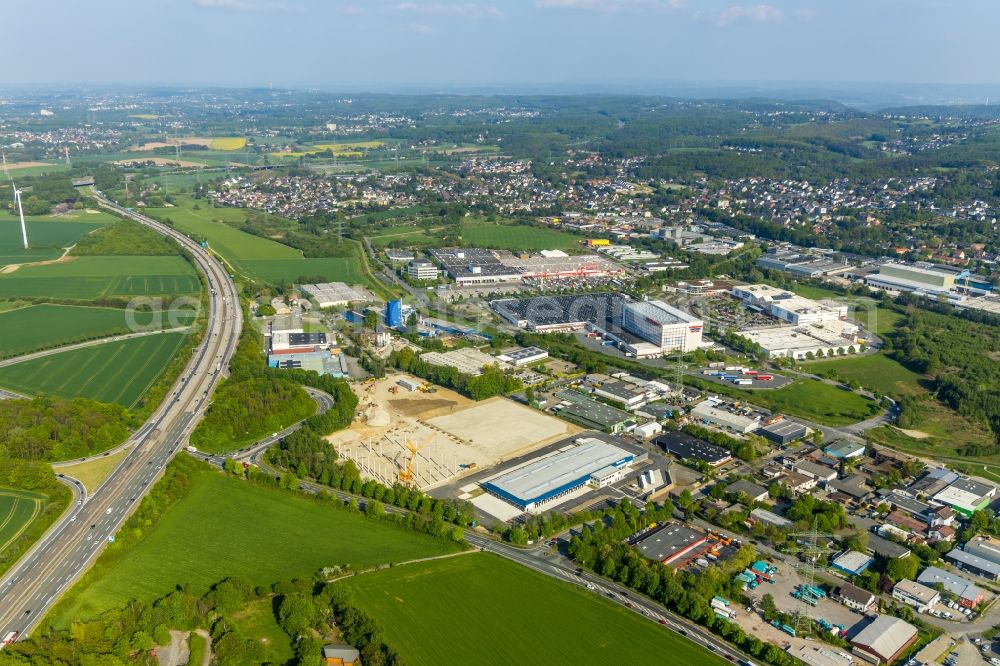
x,y
73,543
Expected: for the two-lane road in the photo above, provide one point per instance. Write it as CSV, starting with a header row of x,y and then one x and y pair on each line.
x,y
75,540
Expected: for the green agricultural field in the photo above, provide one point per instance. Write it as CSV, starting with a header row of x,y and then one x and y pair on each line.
x,y
227,527
448,612
877,372
260,258
47,235
88,278
17,509
516,237
119,372
46,326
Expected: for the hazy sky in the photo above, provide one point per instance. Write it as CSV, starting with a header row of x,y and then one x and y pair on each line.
x,y
372,44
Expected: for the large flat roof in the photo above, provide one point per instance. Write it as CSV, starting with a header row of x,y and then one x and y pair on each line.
x,y
953,583
559,310
546,477
685,446
973,561
668,540
662,313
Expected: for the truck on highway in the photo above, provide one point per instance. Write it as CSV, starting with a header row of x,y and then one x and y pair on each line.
x,y
9,638
191,449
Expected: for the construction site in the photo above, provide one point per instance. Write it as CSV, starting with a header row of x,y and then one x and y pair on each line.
x,y
421,435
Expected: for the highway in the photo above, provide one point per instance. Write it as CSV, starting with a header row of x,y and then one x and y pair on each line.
x,y
71,545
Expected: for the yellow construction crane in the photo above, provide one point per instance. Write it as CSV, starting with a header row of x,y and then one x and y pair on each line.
x,y
407,474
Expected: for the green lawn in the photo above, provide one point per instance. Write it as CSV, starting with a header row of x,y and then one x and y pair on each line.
x,y
877,372
87,278
197,645
411,235
817,401
47,235
516,237
17,509
227,527
119,372
256,622
482,609
806,398
46,326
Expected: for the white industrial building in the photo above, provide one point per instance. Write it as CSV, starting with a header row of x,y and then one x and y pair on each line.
x,y
915,594
332,294
467,361
827,338
421,269
709,412
523,356
787,306
665,326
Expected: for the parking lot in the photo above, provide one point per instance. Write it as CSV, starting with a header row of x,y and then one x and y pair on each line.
x,y
776,382
784,586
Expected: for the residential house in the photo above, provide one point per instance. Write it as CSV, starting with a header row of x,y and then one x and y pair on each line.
x,y
854,597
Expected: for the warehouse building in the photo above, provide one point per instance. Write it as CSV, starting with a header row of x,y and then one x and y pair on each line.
x,y
673,544
973,564
523,356
332,294
965,496
686,447
787,306
626,394
915,594
827,338
815,471
984,547
709,412
845,449
890,550
770,518
968,594
284,341
901,277
475,266
754,492
468,361
852,562
560,313
884,640
663,325
783,432
590,413
544,479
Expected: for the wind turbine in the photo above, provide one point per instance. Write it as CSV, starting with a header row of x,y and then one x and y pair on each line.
x,y
17,198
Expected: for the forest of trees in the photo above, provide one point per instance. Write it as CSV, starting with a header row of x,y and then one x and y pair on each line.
x,y
49,428
960,355
310,612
